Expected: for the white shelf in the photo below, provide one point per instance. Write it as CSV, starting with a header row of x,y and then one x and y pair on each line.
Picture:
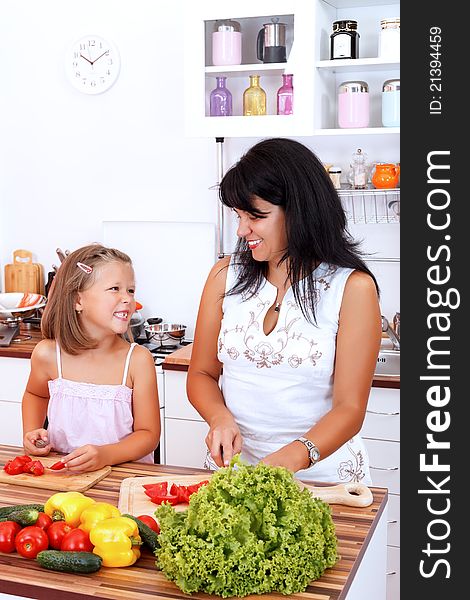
x,y
349,65
371,206
358,131
253,69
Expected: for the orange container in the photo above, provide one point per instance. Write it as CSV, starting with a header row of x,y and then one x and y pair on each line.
x,y
385,176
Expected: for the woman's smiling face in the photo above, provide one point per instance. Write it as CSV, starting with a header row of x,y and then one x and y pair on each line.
x,y
265,235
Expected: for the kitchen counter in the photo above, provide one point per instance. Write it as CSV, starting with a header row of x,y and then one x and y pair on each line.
x,y
24,348
180,359
355,529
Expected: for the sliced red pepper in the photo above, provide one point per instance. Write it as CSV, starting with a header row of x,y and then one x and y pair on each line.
x,y
25,459
161,487
181,492
57,466
192,489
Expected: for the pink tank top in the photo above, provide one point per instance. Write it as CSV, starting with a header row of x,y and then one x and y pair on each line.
x,y
82,413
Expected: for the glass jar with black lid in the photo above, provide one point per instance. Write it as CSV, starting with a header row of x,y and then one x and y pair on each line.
x,y
344,41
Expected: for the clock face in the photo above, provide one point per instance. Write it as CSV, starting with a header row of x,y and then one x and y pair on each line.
x,y
93,64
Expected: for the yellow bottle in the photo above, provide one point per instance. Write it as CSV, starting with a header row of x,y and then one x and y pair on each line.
x,y
254,98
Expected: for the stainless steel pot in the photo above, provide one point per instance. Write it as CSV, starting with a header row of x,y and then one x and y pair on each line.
x,y
164,331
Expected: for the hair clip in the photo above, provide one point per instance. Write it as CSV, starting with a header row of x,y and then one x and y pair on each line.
x,y
85,268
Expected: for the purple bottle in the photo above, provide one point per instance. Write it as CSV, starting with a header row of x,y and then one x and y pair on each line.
x,y
220,100
285,96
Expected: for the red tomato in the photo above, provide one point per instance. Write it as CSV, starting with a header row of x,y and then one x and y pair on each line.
x,y
181,492
150,522
8,532
56,533
24,458
30,541
14,466
192,489
77,540
35,467
44,521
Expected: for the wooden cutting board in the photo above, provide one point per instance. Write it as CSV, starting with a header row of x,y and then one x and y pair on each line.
x,y
63,480
134,501
24,275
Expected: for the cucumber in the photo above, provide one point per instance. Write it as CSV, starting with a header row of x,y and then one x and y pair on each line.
x,y
25,517
6,510
149,537
69,561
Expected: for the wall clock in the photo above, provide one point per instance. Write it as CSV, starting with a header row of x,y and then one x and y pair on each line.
x,y
92,64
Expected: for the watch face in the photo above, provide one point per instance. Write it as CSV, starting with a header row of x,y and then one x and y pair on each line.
x,y
93,64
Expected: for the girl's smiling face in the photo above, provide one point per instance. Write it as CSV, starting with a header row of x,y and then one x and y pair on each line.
x,y
266,234
108,305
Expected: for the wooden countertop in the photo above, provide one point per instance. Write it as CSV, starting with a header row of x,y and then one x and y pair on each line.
x,y
24,348
142,581
180,359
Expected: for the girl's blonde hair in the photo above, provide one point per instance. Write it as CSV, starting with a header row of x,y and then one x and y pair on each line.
x,y
60,320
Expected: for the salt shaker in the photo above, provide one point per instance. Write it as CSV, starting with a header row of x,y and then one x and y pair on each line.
x,y
358,174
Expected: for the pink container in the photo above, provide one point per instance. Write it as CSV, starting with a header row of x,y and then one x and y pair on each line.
x,y
226,43
353,104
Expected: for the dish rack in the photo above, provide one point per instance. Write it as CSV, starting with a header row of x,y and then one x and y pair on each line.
x,y
371,205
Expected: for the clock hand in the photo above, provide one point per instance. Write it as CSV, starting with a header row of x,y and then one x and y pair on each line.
x,y
101,55
85,58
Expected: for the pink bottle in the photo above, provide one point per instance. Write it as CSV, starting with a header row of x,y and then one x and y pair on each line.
x,y
353,104
226,43
285,96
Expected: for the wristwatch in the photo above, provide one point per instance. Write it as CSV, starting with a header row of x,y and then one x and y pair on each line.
x,y
313,451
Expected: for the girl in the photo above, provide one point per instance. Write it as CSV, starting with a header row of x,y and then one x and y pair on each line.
x,y
98,391
293,318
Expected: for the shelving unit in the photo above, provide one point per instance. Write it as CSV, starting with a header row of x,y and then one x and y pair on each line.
x,y
316,78
371,206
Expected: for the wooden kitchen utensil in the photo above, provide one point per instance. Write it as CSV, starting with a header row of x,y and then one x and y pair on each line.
x,y
134,501
23,275
62,480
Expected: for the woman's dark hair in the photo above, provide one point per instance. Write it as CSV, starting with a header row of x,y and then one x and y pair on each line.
x,y
286,173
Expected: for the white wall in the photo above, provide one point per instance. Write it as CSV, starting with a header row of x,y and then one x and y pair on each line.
x,y
69,161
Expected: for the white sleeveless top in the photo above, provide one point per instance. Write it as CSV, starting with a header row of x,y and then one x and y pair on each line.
x,y
277,386
82,413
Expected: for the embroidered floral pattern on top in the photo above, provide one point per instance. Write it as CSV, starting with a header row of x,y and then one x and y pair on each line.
x,y
352,470
269,352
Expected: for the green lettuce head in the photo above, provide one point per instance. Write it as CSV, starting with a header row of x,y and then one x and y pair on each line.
x,y
251,530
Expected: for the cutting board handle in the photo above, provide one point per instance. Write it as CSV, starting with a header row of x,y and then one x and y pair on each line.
x,y
351,494
22,257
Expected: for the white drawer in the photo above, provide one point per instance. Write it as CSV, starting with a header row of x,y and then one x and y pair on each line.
x,y
384,460
382,420
177,405
14,373
185,443
393,573
11,425
393,519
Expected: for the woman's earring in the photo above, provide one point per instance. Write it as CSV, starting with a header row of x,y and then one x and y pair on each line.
x,y
79,312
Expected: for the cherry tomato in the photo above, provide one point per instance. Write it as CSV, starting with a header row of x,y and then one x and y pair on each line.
x,y
77,540
44,521
56,533
150,522
30,541
8,532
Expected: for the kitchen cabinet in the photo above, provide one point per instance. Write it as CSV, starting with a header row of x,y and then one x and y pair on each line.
x,y
381,433
316,78
14,373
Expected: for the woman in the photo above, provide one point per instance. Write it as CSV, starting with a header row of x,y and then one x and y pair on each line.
x,y
291,322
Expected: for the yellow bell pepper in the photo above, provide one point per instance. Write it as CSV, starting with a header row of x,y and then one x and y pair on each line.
x,y
99,511
67,506
116,541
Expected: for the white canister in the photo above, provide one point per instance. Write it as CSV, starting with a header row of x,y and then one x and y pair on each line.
x,y
391,103
389,41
